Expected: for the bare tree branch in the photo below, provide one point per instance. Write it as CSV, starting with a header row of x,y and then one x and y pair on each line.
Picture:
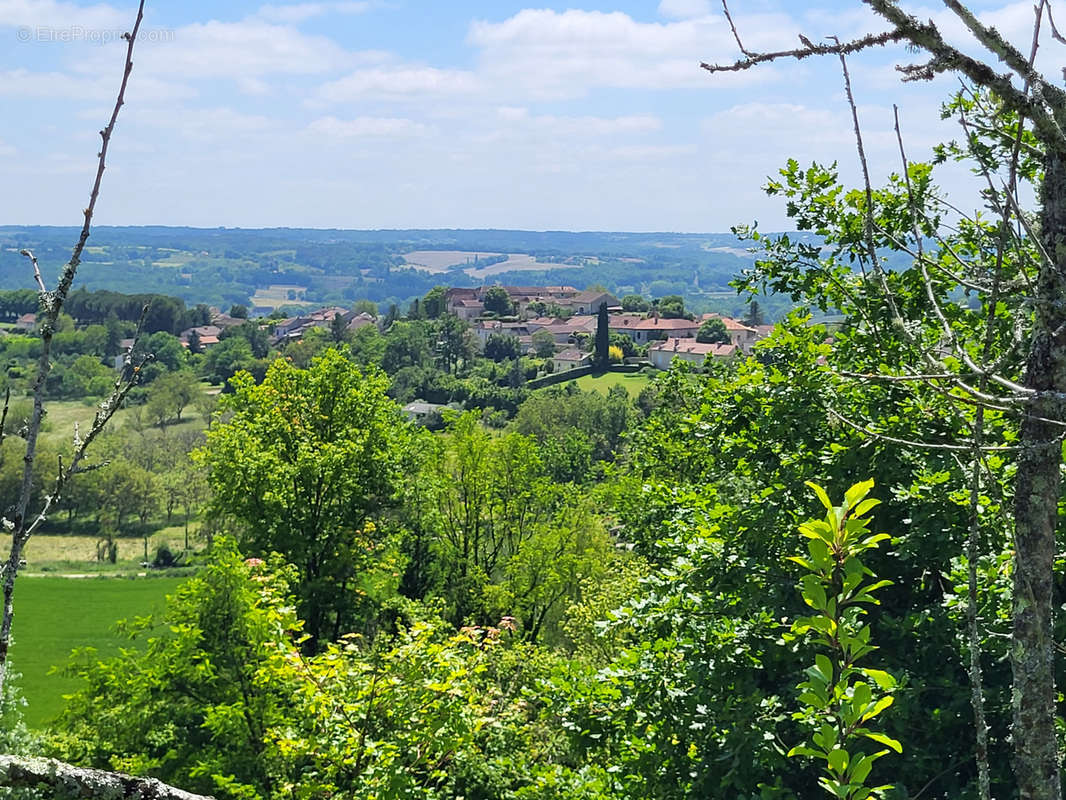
x,y
754,59
732,27
946,58
36,268
51,305
1058,37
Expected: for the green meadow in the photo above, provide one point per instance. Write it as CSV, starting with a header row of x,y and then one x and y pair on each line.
x,y
55,615
632,382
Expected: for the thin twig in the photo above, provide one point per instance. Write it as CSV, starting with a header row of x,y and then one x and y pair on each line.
x,y
732,27
52,304
36,268
3,415
1051,20
914,442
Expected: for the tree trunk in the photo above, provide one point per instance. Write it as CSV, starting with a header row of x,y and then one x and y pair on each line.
x,y
1036,510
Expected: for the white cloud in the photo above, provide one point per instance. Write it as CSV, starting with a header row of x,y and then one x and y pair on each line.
x,y
390,127
583,126
299,12
200,125
684,9
569,53
243,52
398,82
650,152
53,14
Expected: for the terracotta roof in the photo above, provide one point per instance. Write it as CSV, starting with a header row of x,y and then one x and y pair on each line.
x,y
571,325
202,331
361,321
652,324
624,320
226,321
585,297
573,354
534,291
692,347
730,323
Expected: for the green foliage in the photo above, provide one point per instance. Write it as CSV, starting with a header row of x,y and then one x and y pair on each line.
x,y
227,358
754,316
197,706
840,699
497,301
502,346
493,537
434,303
303,465
575,428
170,394
544,344
713,331
635,303
671,306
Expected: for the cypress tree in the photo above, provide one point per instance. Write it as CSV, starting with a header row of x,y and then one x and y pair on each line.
x,y
603,339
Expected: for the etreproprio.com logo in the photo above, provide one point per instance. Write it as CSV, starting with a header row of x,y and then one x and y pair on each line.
x,y
76,33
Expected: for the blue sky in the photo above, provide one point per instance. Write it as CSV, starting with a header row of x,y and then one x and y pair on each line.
x,y
411,113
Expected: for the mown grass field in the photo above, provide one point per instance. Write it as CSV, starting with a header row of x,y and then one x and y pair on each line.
x,y
632,382
55,615
60,416
77,552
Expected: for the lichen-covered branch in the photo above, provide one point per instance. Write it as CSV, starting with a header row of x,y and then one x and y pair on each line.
x,y
62,781
809,49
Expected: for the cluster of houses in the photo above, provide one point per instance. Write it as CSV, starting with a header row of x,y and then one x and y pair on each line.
x,y
296,327
284,330
469,304
209,334
666,338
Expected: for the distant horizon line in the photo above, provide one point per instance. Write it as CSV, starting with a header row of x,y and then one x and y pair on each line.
x,y
8,226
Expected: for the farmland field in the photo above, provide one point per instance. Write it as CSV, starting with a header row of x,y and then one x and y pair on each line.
x,y
516,262
55,615
440,260
633,382
277,295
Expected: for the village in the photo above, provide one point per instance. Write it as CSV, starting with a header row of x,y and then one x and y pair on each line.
x,y
568,314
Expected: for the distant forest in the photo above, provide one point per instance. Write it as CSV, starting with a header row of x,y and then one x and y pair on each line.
x,y
224,266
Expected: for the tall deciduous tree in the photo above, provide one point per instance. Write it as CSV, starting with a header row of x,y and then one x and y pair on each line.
x,y
303,465
1028,101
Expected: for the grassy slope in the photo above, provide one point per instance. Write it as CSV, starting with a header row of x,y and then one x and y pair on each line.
x,y
62,414
633,382
55,615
